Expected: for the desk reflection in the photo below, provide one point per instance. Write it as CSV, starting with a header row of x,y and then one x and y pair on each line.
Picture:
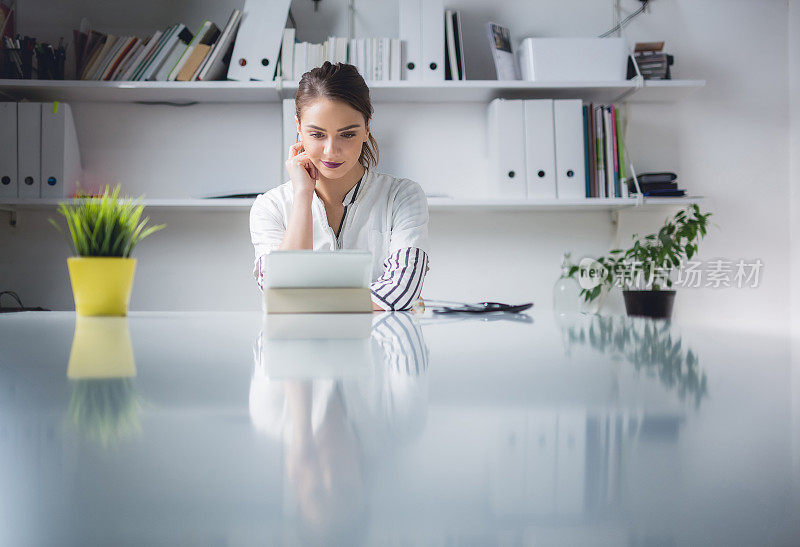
x,y
340,395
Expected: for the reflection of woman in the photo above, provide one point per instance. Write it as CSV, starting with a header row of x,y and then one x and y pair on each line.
x,y
345,204
335,430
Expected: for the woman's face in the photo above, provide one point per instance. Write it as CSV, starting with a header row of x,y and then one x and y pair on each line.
x,y
332,131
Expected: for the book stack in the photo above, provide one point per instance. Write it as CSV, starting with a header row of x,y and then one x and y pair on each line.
x,y
375,58
653,63
453,47
657,185
603,152
174,54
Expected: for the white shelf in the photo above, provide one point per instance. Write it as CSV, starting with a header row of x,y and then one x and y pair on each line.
x,y
434,204
380,91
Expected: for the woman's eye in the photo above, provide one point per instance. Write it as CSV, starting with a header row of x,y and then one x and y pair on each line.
x,y
316,135
348,135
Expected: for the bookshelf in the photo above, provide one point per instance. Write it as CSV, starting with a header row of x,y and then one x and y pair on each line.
x,y
632,91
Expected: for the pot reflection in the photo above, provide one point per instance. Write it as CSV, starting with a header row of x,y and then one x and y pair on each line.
x,y
103,406
340,406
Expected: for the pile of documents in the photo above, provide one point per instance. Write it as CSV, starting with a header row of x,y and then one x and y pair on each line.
x,y
653,63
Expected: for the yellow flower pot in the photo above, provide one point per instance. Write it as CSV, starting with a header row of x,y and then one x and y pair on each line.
x,y
101,285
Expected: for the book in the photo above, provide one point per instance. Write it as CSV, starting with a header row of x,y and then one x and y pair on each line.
x,y
192,64
125,61
122,53
108,57
206,34
462,74
450,63
500,44
318,300
172,52
97,51
137,73
216,64
144,51
287,53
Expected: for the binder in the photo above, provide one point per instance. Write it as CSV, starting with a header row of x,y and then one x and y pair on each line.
x,y
410,30
506,135
432,40
61,161
8,150
29,149
289,134
287,53
568,123
258,42
540,154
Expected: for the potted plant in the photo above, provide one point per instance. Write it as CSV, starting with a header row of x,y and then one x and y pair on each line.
x,y
103,231
643,271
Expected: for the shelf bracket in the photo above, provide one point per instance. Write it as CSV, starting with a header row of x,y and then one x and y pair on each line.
x,y
639,79
12,214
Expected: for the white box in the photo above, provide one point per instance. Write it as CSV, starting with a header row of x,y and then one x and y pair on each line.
x,y
574,59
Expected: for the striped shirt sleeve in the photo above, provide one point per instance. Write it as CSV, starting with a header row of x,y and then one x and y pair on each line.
x,y
401,283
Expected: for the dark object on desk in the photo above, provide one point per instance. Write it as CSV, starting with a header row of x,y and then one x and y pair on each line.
x,y
20,307
484,307
228,196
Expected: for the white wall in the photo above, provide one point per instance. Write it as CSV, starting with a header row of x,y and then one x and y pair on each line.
x,y
729,141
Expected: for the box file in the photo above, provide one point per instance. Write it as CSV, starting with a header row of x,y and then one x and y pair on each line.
x,y
573,59
29,150
570,167
506,136
258,41
540,157
433,40
61,162
410,28
8,150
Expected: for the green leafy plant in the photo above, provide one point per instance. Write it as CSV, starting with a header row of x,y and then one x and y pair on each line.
x,y
105,225
650,261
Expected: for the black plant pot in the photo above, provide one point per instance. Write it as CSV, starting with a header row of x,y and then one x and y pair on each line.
x,y
649,303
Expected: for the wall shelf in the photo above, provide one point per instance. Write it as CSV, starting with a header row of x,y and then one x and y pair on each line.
x,y
434,204
382,91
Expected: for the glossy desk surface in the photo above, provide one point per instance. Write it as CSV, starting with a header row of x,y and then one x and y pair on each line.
x,y
189,428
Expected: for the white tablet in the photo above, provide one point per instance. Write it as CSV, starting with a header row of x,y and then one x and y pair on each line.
x,y
307,268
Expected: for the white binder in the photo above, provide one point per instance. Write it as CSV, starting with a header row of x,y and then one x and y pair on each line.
x,y
8,150
410,27
540,152
29,148
61,161
289,135
506,134
433,40
255,52
570,169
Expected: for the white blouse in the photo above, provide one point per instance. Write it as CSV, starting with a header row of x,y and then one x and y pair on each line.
x,y
385,215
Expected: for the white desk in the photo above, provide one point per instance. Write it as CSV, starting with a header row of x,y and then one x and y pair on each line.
x,y
214,428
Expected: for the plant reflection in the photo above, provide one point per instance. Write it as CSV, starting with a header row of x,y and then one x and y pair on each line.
x,y
103,406
645,343
337,428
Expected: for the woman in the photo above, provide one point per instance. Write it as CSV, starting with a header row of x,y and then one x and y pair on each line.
x,y
336,200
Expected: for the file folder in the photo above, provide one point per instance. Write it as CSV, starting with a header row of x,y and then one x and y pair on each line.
x,y
29,149
570,169
410,28
540,154
258,41
61,161
289,133
506,134
433,40
8,150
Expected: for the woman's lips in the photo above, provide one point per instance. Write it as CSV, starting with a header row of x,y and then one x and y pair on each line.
x,y
331,165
